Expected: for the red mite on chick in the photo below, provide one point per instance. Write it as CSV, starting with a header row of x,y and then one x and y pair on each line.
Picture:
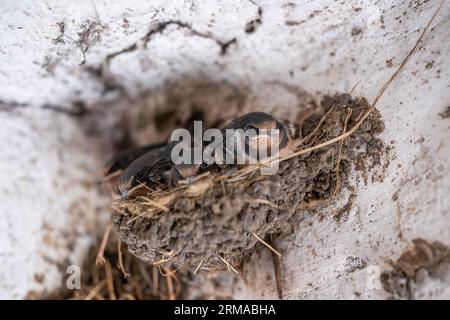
x,y
152,164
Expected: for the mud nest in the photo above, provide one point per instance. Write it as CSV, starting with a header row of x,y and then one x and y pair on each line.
x,y
216,221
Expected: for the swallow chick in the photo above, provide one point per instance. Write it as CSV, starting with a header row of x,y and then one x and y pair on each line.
x,y
153,169
123,159
261,124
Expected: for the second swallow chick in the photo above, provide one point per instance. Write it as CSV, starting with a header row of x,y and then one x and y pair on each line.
x,y
154,169
123,159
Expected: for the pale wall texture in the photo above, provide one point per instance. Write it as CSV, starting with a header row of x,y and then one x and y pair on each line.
x,y
79,79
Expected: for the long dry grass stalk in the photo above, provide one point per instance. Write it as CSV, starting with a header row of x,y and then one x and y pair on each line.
x,y
120,263
109,280
229,266
305,140
198,267
267,245
95,290
170,285
341,143
101,251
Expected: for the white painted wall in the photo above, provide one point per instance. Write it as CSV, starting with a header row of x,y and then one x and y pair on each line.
x,y
51,209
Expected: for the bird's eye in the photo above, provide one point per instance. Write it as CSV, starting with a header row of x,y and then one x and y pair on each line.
x,y
139,175
204,165
252,127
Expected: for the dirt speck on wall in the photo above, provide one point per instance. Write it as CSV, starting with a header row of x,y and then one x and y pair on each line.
x,y
221,223
425,260
446,113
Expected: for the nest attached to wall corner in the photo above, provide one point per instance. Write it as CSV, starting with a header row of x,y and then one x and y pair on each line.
x,y
215,221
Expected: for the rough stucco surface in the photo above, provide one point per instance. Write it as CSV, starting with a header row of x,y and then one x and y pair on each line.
x,y
81,78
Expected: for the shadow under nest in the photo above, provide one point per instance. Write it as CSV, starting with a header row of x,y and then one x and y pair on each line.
x,y
215,222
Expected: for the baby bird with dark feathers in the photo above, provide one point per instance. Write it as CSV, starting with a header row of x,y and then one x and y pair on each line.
x,y
152,166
